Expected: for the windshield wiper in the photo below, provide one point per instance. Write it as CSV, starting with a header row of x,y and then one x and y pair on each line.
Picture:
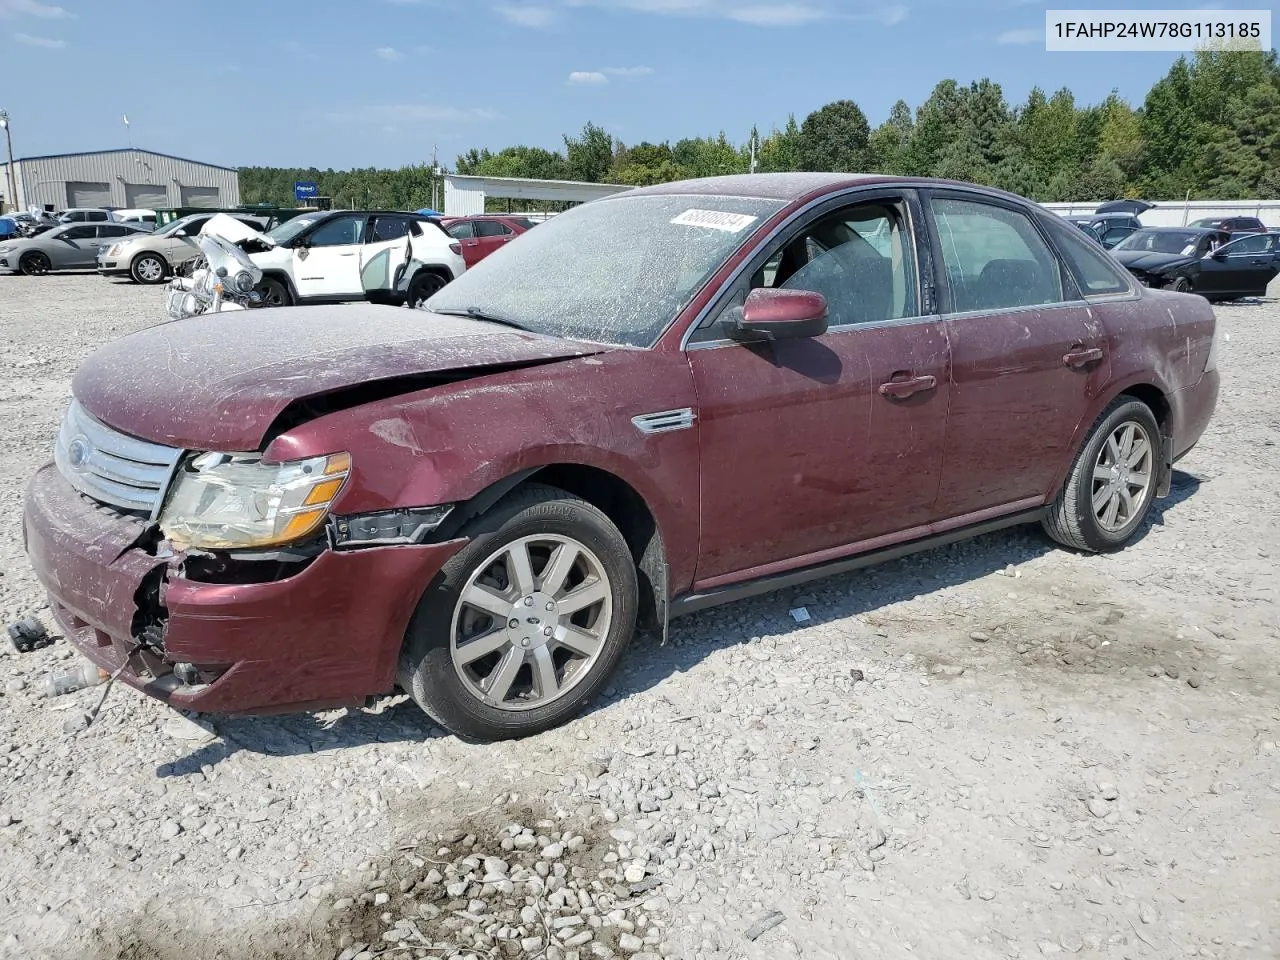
x,y
475,313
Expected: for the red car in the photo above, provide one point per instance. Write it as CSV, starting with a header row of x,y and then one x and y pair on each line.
x,y
482,235
654,403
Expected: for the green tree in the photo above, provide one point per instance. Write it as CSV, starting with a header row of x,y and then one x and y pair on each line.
x,y
834,138
708,156
780,151
590,156
889,142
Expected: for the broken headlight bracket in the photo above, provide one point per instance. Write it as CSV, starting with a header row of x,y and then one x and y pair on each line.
x,y
387,528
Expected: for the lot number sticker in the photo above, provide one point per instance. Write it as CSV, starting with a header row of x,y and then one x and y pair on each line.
x,y
716,220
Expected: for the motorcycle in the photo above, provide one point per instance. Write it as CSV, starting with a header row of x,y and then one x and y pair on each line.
x,y
222,278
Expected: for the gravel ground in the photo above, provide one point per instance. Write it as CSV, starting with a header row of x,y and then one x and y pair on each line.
x,y
996,749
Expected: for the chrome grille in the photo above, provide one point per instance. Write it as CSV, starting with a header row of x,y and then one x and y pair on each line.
x,y
109,466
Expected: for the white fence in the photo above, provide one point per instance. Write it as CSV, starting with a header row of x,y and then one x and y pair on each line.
x,y
1178,213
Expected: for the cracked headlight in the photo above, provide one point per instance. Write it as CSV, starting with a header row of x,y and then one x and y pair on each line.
x,y
222,501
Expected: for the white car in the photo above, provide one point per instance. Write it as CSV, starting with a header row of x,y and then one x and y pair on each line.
x,y
334,256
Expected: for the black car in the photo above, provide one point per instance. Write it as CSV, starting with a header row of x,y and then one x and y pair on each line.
x,y
1108,228
1232,224
1197,260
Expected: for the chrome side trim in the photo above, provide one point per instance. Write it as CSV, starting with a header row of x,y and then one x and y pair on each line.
x,y
667,421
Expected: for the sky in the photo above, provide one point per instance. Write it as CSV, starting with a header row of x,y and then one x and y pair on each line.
x,y
358,83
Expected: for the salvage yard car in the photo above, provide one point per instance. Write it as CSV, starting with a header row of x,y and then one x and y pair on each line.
x,y
152,257
68,247
651,404
1204,261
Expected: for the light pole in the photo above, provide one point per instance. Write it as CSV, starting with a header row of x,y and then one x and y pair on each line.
x,y
13,182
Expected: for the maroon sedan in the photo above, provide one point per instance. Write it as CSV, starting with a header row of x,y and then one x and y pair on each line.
x,y
654,403
483,235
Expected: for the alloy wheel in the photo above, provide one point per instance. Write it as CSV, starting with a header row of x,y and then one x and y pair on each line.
x,y
150,270
35,265
1122,476
531,621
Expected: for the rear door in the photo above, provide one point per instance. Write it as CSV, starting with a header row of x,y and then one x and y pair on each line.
x,y
811,446
1027,355
328,264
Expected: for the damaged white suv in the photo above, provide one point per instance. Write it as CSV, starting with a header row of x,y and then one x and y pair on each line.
x,y
331,257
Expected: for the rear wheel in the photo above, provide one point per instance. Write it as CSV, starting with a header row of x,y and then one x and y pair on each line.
x,y
274,293
149,268
423,286
525,624
35,264
1112,482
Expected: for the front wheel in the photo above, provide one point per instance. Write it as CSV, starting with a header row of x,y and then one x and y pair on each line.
x,y
35,264
1112,482
149,268
274,293
1180,285
525,624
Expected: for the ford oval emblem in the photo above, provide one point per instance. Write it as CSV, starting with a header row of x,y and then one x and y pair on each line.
x,y
78,452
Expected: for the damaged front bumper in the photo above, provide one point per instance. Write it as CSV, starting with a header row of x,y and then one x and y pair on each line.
x,y
324,632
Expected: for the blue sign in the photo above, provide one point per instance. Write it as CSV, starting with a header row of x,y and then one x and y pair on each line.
x,y
305,190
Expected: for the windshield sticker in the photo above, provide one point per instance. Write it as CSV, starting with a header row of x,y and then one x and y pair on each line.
x,y
716,220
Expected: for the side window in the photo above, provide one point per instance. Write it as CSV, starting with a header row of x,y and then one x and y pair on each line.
x,y
80,233
1116,234
97,215
193,228
1259,243
491,228
462,231
994,257
860,258
111,230
388,228
338,232
1095,273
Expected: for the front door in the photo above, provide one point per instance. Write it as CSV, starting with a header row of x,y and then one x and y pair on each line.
x,y
810,446
328,263
77,247
1241,268
1027,357
464,231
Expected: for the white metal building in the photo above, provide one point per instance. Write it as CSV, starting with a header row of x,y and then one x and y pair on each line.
x,y
464,196
121,178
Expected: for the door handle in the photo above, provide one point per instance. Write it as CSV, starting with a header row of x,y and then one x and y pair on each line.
x,y
901,389
1081,356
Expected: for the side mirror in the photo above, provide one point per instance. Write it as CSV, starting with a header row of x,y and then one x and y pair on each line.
x,y
780,315
180,233
1219,255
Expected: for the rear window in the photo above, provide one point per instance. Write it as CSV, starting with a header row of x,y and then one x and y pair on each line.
x,y
1095,272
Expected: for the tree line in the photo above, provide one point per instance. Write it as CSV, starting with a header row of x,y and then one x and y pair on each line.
x,y
1210,126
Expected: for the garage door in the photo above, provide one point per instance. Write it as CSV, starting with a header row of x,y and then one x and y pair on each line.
x,y
82,194
145,196
200,197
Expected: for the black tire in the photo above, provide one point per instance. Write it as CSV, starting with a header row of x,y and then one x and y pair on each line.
x,y
35,264
424,284
274,293
1180,285
427,670
149,265
1071,519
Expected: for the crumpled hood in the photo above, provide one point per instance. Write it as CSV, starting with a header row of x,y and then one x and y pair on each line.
x,y
1151,261
218,381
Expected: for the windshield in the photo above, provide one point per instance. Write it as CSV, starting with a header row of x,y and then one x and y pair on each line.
x,y
291,228
1180,242
614,271
184,223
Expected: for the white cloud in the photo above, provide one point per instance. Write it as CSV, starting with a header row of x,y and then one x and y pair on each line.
x,y
761,13
588,77
33,8
388,53
527,16
1030,35
400,114
44,42
627,71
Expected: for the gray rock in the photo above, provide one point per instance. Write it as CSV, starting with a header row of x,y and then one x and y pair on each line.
x,y
1098,807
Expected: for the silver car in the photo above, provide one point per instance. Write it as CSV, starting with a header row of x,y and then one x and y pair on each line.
x,y
151,257
70,247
